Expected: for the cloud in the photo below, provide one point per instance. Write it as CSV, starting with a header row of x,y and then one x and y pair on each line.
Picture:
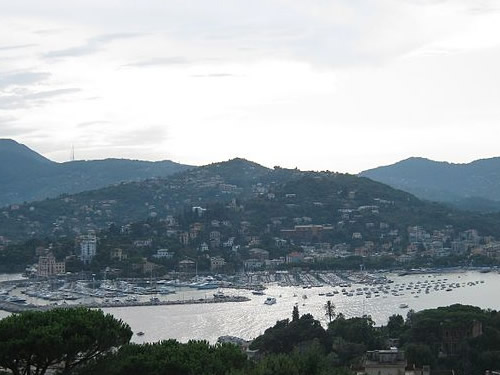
x,y
18,46
51,93
176,60
26,99
4,120
22,78
213,75
144,135
92,45
11,128
91,123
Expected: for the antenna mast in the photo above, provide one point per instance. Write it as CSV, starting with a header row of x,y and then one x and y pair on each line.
x,y
72,152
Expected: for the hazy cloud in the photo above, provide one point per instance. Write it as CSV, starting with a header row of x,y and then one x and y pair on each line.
x,y
51,93
11,127
28,99
176,60
213,75
21,78
145,135
4,120
91,123
92,45
18,46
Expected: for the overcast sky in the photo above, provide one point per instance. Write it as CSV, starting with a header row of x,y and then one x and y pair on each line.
x,y
343,85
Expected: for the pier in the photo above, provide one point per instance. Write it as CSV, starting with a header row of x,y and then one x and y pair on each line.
x,y
16,307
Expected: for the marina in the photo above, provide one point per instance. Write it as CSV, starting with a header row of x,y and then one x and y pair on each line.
x,y
251,316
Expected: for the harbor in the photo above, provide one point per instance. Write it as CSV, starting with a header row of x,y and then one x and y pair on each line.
x,y
187,312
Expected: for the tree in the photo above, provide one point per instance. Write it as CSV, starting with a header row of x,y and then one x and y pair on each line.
x,y
330,310
170,357
395,325
36,341
295,313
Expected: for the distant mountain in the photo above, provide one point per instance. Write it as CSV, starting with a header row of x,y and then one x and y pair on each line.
x,y
266,200
27,176
472,186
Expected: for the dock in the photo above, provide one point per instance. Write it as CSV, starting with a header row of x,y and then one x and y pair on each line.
x,y
17,308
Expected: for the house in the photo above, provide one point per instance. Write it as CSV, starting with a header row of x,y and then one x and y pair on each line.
x,y
163,253
149,267
385,362
187,265
117,254
204,247
143,243
253,264
295,257
184,238
215,238
216,263
48,266
257,253
357,236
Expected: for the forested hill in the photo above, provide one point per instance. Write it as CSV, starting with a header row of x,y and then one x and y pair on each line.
x,y
267,199
27,176
472,186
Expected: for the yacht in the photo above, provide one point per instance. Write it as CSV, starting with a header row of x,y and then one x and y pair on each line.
x,y
270,301
403,306
219,295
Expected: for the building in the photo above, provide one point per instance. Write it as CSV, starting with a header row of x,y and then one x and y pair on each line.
x,y
184,238
308,233
216,263
163,253
295,257
187,265
88,247
48,266
117,254
453,336
385,362
257,253
253,264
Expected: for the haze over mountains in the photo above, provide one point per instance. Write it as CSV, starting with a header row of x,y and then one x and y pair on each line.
x,y
472,186
28,176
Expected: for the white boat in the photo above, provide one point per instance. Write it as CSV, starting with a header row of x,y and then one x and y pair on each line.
x,y
270,301
219,295
258,292
403,306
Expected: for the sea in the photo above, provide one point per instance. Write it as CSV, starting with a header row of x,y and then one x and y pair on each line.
x,y
250,319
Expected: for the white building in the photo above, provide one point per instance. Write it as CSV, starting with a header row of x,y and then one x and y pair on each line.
x,y
88,247
163,253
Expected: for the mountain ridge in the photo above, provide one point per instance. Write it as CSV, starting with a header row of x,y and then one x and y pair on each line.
x,y
460,184
260,196
29,176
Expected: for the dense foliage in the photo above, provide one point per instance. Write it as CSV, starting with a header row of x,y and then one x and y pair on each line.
x,y
83,341
35,342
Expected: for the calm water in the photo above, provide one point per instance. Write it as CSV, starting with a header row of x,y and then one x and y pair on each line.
x,y
249,319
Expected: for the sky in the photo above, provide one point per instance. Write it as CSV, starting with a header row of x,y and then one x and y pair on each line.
x,y
340,85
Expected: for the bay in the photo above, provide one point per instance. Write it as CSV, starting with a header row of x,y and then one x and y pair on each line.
x,y
252,318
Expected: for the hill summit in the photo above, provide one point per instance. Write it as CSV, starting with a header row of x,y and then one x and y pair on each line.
x,y
460,184
28,176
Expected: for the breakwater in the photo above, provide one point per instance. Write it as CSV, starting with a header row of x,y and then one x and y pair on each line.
x,y
17,307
